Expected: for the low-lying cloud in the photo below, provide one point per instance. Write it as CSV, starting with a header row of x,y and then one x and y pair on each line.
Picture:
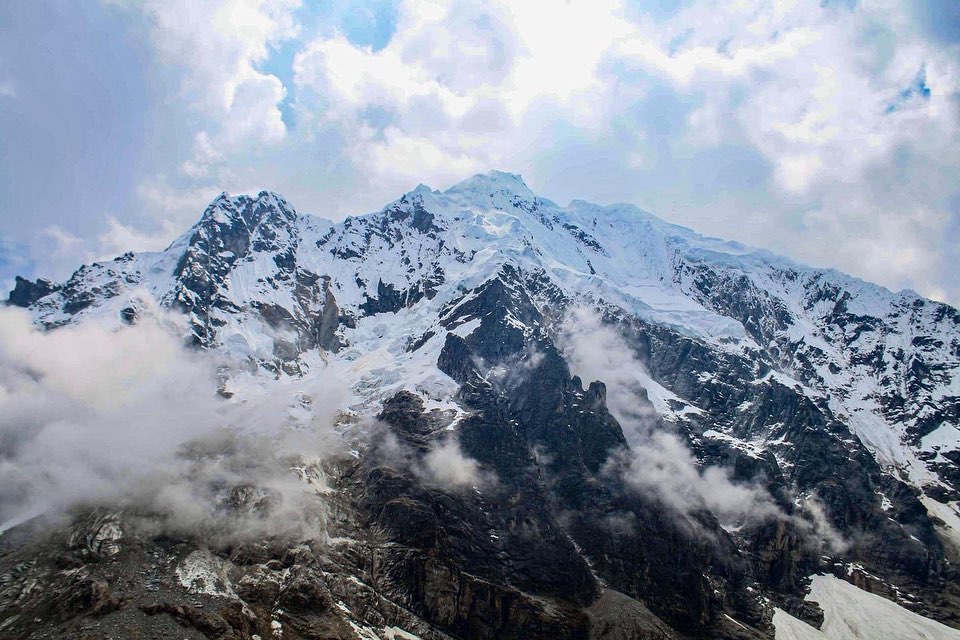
x,y
442,463
658,463
446,464
131,418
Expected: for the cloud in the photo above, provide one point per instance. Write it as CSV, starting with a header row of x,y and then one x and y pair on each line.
x,y
446,465
657,462
663,467
824,131
219,47
131,419
821,526
120,238
175,208
60,252
442,463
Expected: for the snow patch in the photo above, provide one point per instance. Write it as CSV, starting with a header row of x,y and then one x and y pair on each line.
x,y
201,572
946,437
849,613
949,514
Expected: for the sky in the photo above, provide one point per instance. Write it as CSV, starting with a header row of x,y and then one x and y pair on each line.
x,y
826,131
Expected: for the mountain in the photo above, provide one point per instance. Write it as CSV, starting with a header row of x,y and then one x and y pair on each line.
x,y
748,422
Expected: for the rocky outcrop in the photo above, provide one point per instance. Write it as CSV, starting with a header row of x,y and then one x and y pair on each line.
x,y
26,292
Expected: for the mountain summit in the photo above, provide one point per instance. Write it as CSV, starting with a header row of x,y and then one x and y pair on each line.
x,y
575,421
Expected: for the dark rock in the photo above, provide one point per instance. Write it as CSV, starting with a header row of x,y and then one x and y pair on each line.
x,y
26,292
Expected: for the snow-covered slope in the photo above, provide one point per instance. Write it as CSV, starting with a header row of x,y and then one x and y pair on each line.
x,y
840,398
261,281
850,613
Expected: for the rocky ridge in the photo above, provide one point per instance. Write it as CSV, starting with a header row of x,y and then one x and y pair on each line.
x,y
446,312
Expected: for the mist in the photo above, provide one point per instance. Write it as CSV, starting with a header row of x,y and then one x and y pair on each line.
x,y
130,418
441,464
658,463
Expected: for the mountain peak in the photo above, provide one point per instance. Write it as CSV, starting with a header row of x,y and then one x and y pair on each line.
x,y
486,184
454,324
250,209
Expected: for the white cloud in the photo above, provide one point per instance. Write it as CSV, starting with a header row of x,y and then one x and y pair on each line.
x,y
169,210
769,122
450,93
894,238
658,463
443,464
175,208
803,81
119,238
131,418
62,251
446,464
219,46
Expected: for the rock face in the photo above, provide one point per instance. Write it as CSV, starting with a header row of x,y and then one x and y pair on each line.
x,y
25,292
836,399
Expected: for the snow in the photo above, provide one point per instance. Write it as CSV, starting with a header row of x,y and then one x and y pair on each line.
x,y
885,503
883,440
852,613
465,329
754,449
790,628
946,437
202,572
640,263
396,633
849,613
949,514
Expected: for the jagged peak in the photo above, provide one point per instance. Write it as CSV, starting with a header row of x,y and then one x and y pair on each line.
x,y
422,188
487,184
264,195
227,209
491,190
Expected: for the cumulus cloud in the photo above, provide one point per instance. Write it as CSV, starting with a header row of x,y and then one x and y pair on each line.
x,y
824,131
219,46
119,238
130,418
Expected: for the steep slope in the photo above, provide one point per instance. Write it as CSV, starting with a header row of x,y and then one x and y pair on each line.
x,y
449,314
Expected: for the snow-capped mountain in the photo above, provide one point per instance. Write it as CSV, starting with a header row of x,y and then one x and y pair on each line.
x,y
451,312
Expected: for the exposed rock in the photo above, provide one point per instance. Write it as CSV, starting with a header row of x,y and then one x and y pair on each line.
x,y
25,292
783,376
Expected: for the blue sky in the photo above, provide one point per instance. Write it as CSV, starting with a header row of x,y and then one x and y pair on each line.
x,y
827,131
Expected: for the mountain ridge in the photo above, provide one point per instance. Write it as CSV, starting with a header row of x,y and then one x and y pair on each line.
x,y
501,194
465,314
